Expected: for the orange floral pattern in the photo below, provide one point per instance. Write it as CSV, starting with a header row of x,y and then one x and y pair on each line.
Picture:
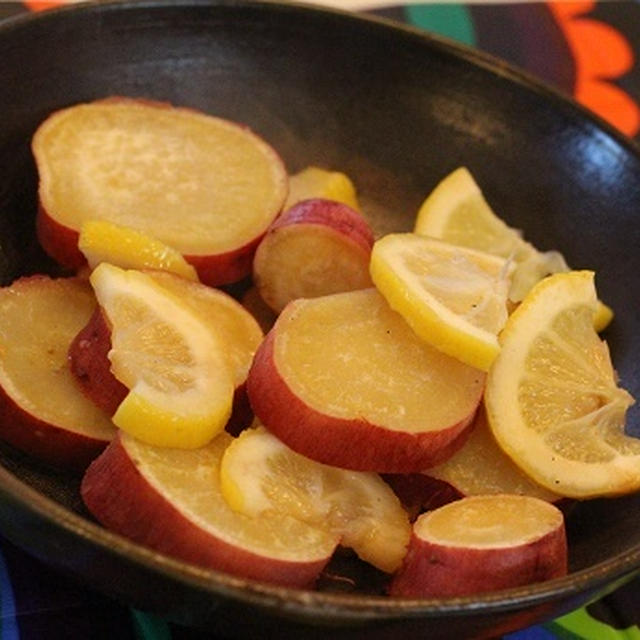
x,y
602,55
40,5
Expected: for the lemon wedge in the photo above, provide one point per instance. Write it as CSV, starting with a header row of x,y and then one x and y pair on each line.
x,y
316,182
457,211
128,248
552,397
181,385
454,298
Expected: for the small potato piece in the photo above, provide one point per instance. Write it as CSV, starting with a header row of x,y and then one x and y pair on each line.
x,y
315,248
480,544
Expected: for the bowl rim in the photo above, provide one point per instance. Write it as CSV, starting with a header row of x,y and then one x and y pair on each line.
x,y
601,577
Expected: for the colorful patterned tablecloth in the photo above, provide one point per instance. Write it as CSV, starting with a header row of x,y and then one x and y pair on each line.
x,y
589,50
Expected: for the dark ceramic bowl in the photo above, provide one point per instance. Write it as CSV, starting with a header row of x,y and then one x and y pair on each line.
x,y
396,110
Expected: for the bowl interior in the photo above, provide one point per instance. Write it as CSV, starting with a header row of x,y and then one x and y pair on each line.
x,y
394,109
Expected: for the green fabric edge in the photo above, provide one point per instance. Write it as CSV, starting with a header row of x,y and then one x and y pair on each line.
x,y
149,627
579,625
450,20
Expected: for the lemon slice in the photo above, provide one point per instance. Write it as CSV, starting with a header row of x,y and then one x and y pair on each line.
x,y
457,211
552,399
181,386
260,475
316,182
453,297
128,248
